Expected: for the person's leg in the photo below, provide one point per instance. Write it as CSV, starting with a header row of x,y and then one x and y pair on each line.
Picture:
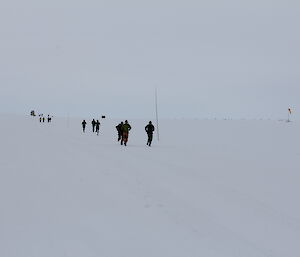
x,y
125,138
150,139
122,138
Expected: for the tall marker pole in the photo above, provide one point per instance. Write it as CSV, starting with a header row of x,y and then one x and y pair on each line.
x,y
156,112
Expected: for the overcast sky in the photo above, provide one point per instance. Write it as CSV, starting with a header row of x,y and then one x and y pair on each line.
x,y
208,59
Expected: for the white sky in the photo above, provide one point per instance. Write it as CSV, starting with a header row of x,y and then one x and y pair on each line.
x,y
208,59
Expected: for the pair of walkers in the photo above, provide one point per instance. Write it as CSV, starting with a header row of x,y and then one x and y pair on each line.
x,y
96,126
123,132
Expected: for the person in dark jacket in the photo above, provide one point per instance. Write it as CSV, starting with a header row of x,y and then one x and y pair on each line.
x,y
119,129
83,125
125,132
97,127
93,125
149,129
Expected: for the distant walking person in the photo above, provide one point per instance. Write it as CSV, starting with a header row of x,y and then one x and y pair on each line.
x,y
125,132
119,129
97,127
83,125
149,129
93,125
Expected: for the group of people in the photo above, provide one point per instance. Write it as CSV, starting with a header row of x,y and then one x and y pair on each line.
x,y
42,118
95,126
123,129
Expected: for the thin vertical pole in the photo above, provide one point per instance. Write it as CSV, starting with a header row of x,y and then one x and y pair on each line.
x,y
156,111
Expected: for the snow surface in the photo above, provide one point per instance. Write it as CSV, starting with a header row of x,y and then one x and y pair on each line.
x,y
208,188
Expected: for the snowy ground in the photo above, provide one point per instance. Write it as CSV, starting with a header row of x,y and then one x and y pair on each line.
x,y
208,188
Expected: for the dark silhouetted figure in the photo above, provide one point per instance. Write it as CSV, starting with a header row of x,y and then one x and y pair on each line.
x,y
119,129
93,125
97,127
43,119
149,129
83,125
125,132
49,118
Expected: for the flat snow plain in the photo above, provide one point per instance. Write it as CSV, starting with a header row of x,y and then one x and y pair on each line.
x,y
207,188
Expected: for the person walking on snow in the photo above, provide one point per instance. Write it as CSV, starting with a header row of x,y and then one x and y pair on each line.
x,y
149,129
125,132
97,127
119,129
83,125
93,124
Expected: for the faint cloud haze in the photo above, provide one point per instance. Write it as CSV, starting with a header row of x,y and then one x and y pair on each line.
x,y
208,59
